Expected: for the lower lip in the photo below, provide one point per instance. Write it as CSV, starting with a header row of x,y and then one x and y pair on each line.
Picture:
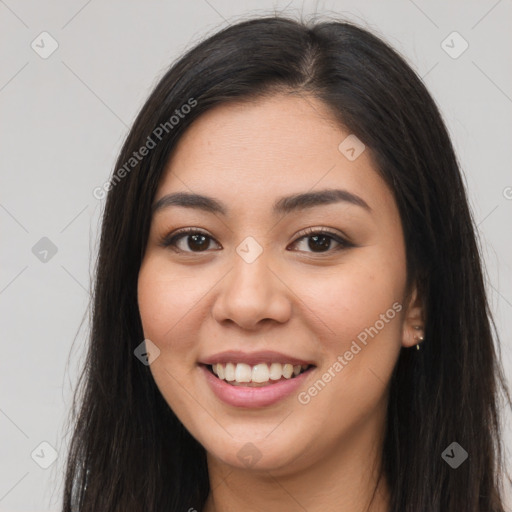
x,y
245,396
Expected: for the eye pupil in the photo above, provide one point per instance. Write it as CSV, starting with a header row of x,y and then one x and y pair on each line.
x,y
323,245
202,245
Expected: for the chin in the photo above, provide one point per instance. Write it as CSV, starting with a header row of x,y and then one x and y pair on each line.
x,y
276,455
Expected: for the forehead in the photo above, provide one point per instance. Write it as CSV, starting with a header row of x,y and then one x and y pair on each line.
x,y
249,153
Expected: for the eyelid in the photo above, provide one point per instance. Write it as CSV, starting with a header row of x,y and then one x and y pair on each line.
x,y
336,233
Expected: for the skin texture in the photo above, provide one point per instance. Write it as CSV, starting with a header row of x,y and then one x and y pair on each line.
x,y
322,455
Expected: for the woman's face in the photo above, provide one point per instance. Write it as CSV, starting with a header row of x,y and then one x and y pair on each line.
x,y
254,289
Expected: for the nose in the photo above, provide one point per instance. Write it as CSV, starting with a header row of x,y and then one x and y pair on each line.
x,y
252,294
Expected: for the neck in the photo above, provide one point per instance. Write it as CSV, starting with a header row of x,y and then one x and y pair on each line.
x,y
344,479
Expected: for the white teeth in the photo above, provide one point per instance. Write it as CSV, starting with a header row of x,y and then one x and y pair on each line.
x,y
259,373
220,371
287,370
243,373
229,372
276,371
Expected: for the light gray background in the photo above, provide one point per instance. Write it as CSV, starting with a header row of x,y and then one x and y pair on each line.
x,y
63,120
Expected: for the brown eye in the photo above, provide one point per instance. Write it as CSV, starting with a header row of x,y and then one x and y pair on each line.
x,y
196,241
199,242
321,242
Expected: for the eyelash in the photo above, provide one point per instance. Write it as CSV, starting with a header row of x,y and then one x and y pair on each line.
x,y
171,239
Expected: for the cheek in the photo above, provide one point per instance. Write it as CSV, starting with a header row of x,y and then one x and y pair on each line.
x,y
369,319
169,319
165,304
361,312
355,295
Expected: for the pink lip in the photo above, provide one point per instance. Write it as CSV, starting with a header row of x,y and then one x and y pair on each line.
x,y
266,356
244,396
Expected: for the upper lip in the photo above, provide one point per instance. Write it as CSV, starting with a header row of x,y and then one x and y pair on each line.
x,y
253,358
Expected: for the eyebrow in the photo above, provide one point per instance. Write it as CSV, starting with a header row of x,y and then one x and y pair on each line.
x,y
282,206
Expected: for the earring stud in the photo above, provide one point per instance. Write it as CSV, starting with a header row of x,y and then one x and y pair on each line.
x,y
418,338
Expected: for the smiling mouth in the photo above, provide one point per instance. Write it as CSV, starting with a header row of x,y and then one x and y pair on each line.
x,y
263,374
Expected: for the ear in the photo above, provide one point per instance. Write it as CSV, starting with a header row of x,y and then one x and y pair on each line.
x,y
413,329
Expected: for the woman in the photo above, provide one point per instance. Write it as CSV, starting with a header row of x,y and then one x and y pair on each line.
x,y
289,310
